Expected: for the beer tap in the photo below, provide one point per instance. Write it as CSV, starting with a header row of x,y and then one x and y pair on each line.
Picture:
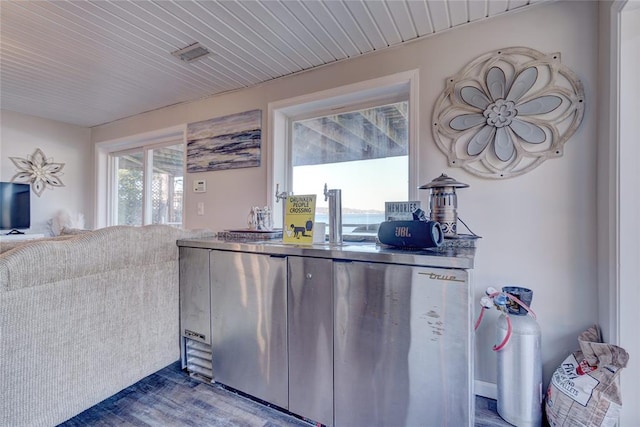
x,y
282,196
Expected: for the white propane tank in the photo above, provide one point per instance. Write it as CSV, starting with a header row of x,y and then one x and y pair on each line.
x,y
519,363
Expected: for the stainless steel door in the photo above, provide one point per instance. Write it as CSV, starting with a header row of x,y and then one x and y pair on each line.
x,y
310,309
249,324
402,346
195,313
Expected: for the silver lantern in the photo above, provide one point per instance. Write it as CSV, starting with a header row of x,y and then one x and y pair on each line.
x,y
443,203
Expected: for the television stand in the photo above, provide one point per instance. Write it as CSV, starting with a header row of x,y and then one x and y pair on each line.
x,y
17,237
14,231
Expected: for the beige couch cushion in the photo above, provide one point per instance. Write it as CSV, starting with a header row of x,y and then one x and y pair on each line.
x,y
111,248
7,245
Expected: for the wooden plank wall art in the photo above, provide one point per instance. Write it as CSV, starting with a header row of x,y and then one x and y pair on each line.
x,y
228,142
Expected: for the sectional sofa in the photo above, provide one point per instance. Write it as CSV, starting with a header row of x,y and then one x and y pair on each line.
x,y
83,317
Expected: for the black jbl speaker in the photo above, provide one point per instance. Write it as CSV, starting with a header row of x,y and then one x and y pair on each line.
x,y
411,234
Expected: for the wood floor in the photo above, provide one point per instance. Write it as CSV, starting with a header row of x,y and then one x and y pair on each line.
x,y
171,398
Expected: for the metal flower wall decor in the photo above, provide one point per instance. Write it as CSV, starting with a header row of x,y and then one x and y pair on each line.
x,y
38,170
507,112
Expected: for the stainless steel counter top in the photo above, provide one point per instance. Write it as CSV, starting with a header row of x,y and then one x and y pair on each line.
x,y
461,258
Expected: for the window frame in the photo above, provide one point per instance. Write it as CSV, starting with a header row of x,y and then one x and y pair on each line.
x,y
281,115
106,181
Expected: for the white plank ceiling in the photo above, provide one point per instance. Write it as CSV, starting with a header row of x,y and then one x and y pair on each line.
x,y
93,62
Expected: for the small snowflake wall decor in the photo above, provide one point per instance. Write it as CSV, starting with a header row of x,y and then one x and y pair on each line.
x,y
38,170
507,112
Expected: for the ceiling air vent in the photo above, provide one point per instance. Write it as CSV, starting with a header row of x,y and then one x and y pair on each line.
x,y
191,52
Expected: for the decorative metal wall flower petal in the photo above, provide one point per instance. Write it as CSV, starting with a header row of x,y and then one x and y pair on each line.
x,y
38,170
507,112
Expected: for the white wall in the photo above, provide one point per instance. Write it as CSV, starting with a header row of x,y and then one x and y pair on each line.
x,y
538,229
21,135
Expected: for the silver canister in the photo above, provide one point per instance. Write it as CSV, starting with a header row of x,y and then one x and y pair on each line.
x,y
519,364
443,203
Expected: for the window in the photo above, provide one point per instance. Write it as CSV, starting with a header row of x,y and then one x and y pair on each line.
x,y
148,185
363,152
357,139
130,188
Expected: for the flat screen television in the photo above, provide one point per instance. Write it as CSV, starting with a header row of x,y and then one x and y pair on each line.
x,y
15,206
